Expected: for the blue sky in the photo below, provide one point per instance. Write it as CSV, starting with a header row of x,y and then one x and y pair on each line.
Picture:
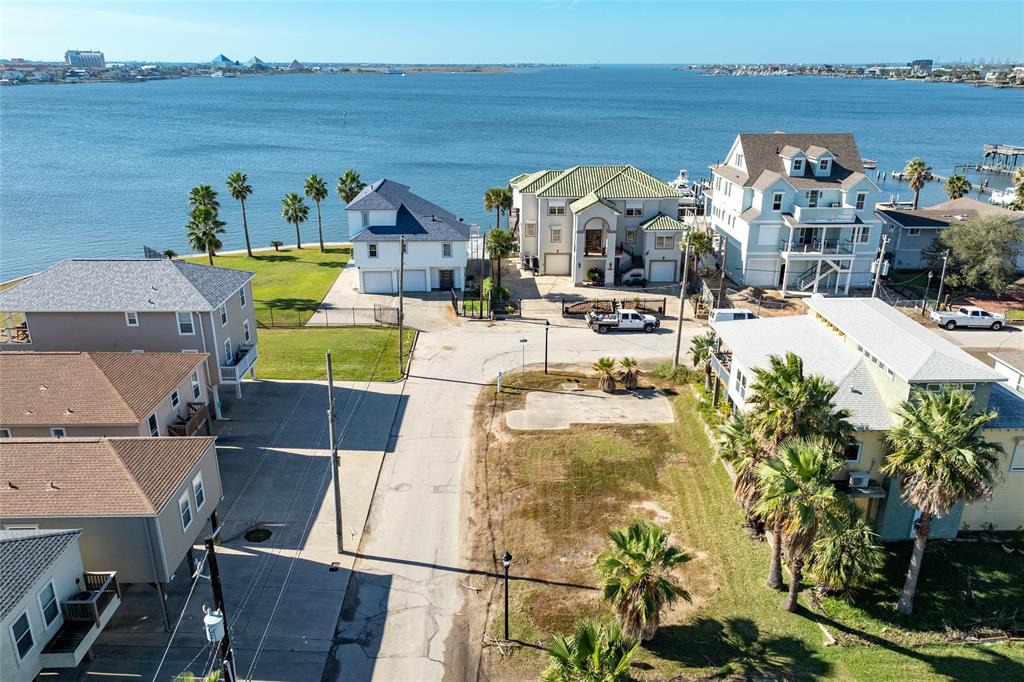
x,y
494,31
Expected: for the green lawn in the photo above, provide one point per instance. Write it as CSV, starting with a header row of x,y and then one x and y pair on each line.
x,y
289,283
357,353
553,495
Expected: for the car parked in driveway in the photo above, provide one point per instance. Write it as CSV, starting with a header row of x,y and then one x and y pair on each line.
x,y
625,320
968,316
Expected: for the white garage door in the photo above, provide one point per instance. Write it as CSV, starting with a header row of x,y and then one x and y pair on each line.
x,y
557,264
415,280
377,283
663,271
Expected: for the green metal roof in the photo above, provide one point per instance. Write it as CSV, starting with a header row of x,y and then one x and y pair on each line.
x,y
608,182
589,200
526,178
535,181
664,222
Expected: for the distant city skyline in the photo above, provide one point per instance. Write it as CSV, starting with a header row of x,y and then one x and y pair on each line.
x,y
496,31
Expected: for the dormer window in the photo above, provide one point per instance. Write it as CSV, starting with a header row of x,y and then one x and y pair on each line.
x,y
798,166
823,165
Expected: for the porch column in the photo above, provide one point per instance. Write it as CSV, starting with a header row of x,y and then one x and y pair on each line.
x,y
788,263
215,525
238,388
216,402
162,594
817,276
609,257
252,372
849,276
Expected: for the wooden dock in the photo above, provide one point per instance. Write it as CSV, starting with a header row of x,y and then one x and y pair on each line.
x,y
1001,158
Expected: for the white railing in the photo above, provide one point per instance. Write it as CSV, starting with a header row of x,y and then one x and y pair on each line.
x,y
243,362
827,214
816,246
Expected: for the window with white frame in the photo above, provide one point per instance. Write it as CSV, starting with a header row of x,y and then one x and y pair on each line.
x,y
738,160
862,198
241,297
634,209
131,319
663,241
556,208
741,384
446,249
58,432
863,234
245,330
852,452
531,228
777,201
21,631
154,425
556,234
798,165
48,604
5,433
371,250
185,511
223,312
823,164
195,384
185,324
198,491
1017,458
913,231
631,236
227,351
364,217
175,399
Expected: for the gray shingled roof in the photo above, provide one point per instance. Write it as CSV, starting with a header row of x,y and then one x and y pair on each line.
x,y
25,556
416,219
141,285
823,353
1010,407
914,353
764,151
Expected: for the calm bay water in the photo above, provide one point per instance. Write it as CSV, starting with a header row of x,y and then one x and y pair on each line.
x,y
101,169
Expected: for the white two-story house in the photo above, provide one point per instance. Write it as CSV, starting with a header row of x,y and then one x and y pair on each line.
x,y
606,220
435,248
796,211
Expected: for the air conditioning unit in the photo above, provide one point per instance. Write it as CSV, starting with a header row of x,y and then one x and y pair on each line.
x,y
858,479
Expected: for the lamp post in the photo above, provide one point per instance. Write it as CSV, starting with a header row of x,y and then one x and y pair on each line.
x,y
927,288
506,561
547,328
522,369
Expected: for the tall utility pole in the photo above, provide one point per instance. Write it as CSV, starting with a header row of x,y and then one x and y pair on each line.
x,y
227,655
401,300
878,266
942,279
332,421
721,283
682,300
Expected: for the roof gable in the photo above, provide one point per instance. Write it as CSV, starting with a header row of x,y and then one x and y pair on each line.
x,y
416,218
607,182
768,151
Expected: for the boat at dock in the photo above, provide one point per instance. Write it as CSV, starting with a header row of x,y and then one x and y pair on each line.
x,y
869,164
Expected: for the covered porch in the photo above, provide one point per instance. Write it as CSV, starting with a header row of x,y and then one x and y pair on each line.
x,y
242,361
85,615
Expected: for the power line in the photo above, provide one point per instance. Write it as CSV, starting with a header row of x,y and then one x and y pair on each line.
x,y
195,581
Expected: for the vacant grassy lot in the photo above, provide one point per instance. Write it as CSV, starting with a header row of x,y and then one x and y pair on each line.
x,y
289,283
553,496
358,353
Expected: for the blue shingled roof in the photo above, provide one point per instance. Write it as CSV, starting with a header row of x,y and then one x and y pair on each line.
x,y
416,219
1010,407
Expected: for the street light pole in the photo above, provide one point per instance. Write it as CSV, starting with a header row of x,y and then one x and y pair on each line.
x,y
401,301
927,288
522,369
506,561
682,301
335,462
942,279
547,328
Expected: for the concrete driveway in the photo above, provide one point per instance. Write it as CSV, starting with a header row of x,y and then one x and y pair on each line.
x,y
560,409
283,599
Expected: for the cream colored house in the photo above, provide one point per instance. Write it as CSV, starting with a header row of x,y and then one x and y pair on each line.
x,y
876,355
65,394
613,220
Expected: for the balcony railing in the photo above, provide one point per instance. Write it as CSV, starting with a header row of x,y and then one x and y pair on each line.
x,y
816,246
824,214
721,364
595,251
14,329
197,417
241,363
92,603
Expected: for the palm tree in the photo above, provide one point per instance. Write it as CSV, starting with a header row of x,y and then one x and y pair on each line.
x,y
238,187
957,186
295,211
595,652
701,348
796,490
604,367
170,254
203,195
636,577
493,202
349,185
203,227
277,244
787,404
506,204
316,189
630,373
738,446
499,247
941,458
700,246
846,554
916,174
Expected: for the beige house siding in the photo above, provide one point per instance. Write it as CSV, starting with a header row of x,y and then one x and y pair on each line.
x,y
175,540
63,572
1004,509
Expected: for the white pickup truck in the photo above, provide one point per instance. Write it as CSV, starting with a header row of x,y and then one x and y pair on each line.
x,y
968,316
625,319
